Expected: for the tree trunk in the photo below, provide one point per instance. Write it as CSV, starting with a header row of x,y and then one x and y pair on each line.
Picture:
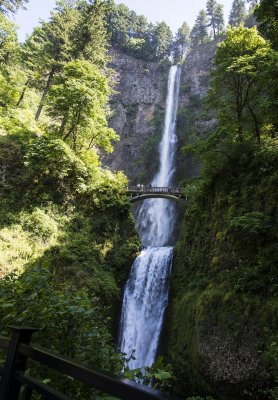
x,y
256,122
23,92
63,125
239,121
46,90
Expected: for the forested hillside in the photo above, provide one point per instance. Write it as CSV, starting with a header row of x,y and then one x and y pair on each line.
x,y
67,235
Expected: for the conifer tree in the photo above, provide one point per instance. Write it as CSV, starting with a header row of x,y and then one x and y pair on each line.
x,y
181,43
219,18
199,33
90,37
9,46
50,47
238,13
211,10
267,17
11,6
162,39
215,15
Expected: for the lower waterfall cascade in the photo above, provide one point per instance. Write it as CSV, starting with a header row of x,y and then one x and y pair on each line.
x,y
146,291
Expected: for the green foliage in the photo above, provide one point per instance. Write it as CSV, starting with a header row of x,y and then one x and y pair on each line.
x,y
253,223
8,39
133,34
238,13
225,275
11,6
216,17
267,16
78,100
75,31
181,43
67,241
239,87
90,36
199,33
159,375
224,282
68,319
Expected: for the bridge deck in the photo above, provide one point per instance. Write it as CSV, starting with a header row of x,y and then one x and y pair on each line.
x,y
144,192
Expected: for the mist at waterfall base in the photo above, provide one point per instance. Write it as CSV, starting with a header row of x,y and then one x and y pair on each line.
x,y
146,292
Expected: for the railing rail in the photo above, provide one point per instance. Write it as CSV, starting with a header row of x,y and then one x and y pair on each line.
x,y
14,378
153,189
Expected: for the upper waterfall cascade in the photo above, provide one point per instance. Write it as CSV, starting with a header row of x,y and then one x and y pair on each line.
x,y
146,291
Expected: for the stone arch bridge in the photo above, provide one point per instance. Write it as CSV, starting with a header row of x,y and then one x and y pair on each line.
x,y
140,192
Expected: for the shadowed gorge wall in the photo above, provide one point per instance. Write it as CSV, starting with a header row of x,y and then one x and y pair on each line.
x,y
222,321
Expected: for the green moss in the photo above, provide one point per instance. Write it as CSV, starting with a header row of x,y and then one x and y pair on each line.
x,y
222,320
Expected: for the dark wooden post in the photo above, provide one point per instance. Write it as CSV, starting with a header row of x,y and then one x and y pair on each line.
x,y
10,387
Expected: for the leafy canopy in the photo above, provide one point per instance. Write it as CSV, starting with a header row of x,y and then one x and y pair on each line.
x,y
78,100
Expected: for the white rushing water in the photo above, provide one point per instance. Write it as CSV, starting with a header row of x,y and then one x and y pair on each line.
x,y
146,291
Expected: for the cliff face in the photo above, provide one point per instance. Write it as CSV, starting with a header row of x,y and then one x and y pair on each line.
x,y
138,107
137,115
193,120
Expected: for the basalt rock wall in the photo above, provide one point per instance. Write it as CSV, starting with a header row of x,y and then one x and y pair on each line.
x,y
138,107
137,115
194,120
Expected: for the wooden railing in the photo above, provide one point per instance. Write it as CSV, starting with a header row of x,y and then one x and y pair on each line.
x,y
14,378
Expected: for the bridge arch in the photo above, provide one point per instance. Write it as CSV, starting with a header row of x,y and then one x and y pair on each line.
x,y
140,193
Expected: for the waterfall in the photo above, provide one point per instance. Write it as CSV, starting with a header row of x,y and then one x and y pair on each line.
x,y
146,292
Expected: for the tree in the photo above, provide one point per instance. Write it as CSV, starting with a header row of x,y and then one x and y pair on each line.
x,y
75,30
117,19
55,39
216,17
238,13
162,40
199,33
133,34
9,46
219,18
240,81
181,42
11,75
267,16
211,10
252,3
77,101
11,6
90,37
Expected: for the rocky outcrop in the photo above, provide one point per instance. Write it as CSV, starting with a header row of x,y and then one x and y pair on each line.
x,y
137,115
193,120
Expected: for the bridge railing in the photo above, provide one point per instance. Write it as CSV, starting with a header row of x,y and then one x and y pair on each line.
x,y
15,383
153,189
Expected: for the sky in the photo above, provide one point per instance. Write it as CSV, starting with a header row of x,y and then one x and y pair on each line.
x,y
173,12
